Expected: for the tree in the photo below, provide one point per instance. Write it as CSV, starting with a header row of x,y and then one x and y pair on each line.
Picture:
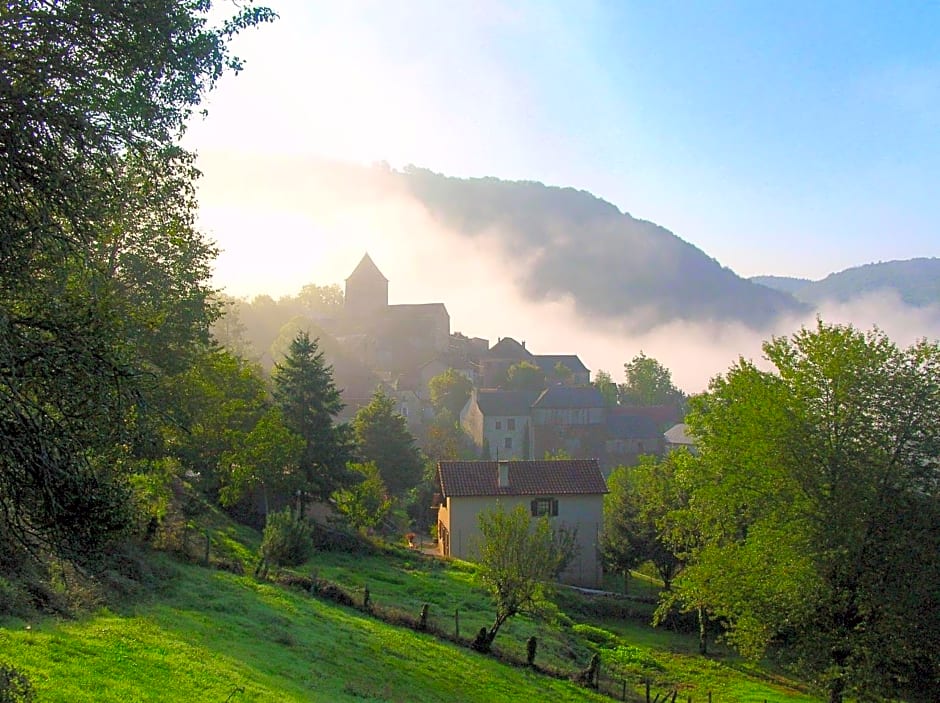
x,y
309,400
606,387
636,516
450,391
366,504
562,373
319,300
383,438
265,457
816,512
648,383
525,376
518,557
103,278
215,401
445,440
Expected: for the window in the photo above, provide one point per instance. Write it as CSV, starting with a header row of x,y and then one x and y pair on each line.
x,y
508,443
499,424
511,424
544,506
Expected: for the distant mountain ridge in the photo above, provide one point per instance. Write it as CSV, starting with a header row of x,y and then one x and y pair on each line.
x,y
613,266
916,281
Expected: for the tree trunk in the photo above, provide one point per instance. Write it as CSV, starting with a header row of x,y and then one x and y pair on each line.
x,y
702,632
837,688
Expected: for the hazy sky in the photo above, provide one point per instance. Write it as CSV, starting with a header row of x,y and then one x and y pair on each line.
x,y
794,138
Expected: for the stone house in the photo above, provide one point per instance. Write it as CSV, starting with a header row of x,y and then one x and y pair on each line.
x,y
569,492
498,422
569,420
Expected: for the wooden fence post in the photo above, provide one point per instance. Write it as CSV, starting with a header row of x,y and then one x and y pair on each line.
x,y
457,622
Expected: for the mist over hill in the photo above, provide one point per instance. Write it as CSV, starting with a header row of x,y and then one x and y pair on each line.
x,y
567,243
915,281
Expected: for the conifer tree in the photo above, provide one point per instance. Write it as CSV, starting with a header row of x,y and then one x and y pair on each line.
x,y
309,400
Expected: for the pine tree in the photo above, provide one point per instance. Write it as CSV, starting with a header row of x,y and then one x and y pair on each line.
x,y
309,400
383,438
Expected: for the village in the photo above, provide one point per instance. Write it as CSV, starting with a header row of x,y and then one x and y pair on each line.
x,y
549,445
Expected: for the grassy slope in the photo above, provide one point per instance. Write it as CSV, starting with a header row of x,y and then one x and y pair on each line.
x,y
205,633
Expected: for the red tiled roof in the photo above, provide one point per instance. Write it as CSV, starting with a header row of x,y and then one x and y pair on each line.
x,y
561,477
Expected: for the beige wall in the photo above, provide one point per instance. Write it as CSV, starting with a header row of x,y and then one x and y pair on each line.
x,y
583,512
471,419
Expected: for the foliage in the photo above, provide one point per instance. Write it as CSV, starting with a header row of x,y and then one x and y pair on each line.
x,y
14,685
309,400
517,557
813,521
317,300
637,513
266,457
444,439
366,504
217,401
383,438
286,540
450,391
525,376
229,331
562,373
103,279
648,382
606,387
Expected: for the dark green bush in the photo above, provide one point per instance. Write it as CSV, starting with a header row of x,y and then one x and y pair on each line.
x,y
14,686
287,540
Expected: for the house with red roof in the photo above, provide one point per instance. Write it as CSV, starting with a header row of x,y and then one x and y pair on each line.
x,y
569,492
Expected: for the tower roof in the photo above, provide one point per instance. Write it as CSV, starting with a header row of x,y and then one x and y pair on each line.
x,y
366,269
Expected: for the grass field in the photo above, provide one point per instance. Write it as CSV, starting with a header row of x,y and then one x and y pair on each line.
x,y
209,635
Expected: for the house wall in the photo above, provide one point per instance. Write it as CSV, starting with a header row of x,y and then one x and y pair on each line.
x,y
576,441
567,416
458,517
471,419
496,436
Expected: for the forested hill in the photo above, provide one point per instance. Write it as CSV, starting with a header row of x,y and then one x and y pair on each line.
x,y
568,242
916,281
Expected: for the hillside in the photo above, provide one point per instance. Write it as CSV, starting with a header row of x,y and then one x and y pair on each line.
x,y
202,634
916,282
567,242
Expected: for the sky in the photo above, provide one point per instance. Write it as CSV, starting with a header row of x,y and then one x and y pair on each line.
x,y
795,139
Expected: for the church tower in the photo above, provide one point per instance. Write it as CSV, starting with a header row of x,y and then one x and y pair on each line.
x,y
366,289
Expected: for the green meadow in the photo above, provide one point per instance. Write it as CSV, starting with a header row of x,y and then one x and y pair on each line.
x,y
204,634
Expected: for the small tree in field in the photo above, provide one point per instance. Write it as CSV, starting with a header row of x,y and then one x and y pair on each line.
x,y
518,557
366,504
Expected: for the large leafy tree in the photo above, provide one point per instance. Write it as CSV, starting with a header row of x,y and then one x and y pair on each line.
x,y
813,521
309,402
606,387
383,438
450,391
637,511
648,382
102,275
265,458
525,376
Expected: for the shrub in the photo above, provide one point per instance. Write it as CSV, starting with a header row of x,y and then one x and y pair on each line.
x,y
596,635
286,541
14,686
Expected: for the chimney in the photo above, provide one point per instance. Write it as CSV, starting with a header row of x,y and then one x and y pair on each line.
x,y
503,480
